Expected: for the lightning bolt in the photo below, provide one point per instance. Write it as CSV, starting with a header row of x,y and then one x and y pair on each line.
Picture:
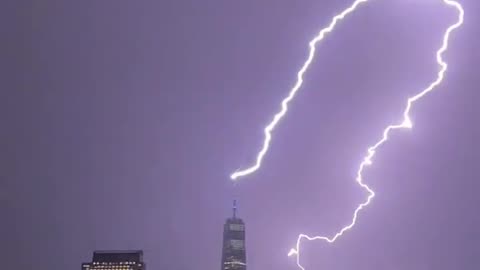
x,y
367,160
268,129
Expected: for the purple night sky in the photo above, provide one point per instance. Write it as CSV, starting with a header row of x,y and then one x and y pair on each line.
x,y
122,120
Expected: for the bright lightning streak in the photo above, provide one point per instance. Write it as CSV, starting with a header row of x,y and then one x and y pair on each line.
x,y
268,129
406,123
367,160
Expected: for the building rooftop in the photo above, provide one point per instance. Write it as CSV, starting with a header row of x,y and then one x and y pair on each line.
x,y
117,256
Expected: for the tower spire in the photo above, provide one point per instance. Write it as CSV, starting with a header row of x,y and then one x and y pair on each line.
x,y
234,208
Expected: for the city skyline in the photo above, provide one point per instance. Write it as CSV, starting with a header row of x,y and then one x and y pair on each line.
x,y
122,122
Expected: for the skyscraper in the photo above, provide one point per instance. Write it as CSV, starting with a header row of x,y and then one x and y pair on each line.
x,y
233,251
116,260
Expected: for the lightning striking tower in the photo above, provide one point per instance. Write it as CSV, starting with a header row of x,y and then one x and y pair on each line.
x,y
367,160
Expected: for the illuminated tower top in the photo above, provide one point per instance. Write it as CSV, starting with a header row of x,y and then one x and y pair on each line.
x,y
233,251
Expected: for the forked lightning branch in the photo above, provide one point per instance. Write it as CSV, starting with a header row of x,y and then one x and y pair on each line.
x,y
368,158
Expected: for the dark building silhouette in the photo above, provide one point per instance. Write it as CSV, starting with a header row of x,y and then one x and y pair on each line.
x,y
233,251
116,260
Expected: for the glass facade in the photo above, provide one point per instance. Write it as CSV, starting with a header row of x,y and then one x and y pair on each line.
x,y
233,251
